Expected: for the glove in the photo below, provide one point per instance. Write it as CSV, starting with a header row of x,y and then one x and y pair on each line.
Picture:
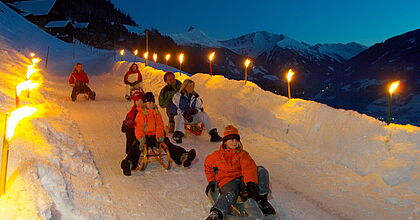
x,y
142,141
211,187
252,189
187,116
161,139
192,111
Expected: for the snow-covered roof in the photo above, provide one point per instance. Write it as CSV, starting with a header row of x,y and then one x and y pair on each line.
x,y
57,24
134,29
35,7
80,25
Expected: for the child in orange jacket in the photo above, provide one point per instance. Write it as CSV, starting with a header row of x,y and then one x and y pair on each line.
x,y
149,128
234,171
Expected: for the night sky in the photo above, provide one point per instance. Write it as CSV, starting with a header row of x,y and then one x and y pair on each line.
x,y
312,21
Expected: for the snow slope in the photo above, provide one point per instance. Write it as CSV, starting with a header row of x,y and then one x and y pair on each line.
x,y
324,163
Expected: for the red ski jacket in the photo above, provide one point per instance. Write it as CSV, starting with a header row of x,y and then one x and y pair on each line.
x,y
76,77
226,165
133,77
131,117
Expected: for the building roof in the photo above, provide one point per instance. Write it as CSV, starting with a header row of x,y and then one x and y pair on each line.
x,y
58,24
82,25
35,7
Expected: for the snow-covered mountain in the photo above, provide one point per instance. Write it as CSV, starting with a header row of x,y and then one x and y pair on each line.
x,y
260,42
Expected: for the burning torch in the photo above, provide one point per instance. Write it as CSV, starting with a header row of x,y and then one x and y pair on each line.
x,y
391,90
289,79
211,56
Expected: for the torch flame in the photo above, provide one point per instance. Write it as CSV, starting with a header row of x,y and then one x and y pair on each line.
x,y
31,70
168,56
154,57
32,54
211,56
35,61
394,86
181,58
15,117
290,75
122,52
136,52
27,85
146,55
247,62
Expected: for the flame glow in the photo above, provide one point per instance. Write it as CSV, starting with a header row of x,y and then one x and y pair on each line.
x,y
290,75
155,57
136,52
168,56
394,86
211,56
31,70
122,52
32,54
27,85
181,58
146,55
247,62
15,117
35,61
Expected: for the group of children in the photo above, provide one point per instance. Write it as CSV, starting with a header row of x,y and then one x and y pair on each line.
x,y
230,169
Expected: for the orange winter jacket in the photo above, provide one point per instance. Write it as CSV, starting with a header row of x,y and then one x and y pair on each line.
x,y
225,165
148,122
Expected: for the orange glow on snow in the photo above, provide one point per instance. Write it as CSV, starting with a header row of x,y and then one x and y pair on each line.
x,y
15,117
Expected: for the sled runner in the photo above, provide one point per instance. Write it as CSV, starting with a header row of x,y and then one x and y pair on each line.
x,y
242,210
196,129
158,151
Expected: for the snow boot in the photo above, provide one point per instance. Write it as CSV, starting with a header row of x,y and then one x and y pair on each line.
x,y
73,97
125,166
178,137
187,158
171,127
215,215
92,96
214,136
127,97
265,206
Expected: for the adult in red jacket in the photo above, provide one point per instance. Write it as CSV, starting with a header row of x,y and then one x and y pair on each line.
x,y
234,171
79,81
133,80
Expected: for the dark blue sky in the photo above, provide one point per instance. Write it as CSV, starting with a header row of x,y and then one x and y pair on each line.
x,y
311,21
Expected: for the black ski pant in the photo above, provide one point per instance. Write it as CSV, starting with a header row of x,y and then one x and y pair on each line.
x,y
132,147
171,116
80,88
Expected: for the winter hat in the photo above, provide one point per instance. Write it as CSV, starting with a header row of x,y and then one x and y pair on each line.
x,y
167,74
137,95
231,133
148,97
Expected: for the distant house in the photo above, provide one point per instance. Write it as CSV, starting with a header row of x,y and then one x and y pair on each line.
x,y
39,12
61,29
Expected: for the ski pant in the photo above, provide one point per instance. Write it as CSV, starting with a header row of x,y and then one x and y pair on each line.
x,y
129,88
80,88
230,191
175,151
180,121
171,116
131,140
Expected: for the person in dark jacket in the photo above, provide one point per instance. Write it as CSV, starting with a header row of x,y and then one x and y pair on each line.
x,y
80,82
188,108
133,80
129,122
166,95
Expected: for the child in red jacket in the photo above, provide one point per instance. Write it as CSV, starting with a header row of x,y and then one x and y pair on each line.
x,y
149,128
133,80
79,81
234,171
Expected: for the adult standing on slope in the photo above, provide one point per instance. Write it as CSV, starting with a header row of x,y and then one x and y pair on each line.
x,y
80,82
166,94
188,108
133,80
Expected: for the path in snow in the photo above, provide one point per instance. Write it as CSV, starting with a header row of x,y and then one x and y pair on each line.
x,y
156,193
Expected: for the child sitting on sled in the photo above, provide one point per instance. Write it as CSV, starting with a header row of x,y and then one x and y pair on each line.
x,y
80,82
233,170
149,128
